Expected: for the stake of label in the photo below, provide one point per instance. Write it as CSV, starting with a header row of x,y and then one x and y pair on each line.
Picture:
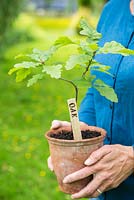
x,y
74,119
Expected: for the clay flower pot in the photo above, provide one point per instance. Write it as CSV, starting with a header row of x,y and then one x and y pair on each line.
x,y
68,156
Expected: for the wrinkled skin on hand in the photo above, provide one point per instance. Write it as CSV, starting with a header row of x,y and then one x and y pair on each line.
x,y
111,165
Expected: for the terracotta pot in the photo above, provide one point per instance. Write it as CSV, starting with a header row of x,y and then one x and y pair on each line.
x,y
68,156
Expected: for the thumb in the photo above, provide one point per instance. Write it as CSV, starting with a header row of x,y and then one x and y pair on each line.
x,y
57,124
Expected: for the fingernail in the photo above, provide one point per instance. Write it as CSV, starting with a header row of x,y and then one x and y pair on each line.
x,y
73,196
65,180
89,162
55,124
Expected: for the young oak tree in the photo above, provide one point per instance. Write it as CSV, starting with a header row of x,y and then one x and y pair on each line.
x,y
37,65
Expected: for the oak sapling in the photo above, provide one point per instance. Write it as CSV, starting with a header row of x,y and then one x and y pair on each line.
x,y
38,65
84,59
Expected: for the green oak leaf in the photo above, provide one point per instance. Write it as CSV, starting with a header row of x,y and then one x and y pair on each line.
x,y
26,65
115,48
42,56
34,79
22,74
84,81
100,67
81,83
20,56
93,46
14,69
54,71
80,59
63,41
85,47
105,90
92,34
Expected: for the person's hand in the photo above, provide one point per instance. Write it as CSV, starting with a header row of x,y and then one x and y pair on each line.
x,y
57,124
111,165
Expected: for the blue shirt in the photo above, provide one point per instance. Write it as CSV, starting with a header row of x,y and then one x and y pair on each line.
x,y
116,23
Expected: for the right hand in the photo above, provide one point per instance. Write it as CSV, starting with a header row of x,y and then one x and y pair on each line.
x,y
57,124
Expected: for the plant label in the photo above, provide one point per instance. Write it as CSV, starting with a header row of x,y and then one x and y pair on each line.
x,y
72,106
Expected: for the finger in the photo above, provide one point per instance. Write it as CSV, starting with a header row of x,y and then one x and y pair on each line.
x,y
57,124
91,189
98,155
97,193
102,188
83,124
49,162
78,175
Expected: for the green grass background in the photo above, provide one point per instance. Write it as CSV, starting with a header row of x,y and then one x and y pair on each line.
x,y
26,114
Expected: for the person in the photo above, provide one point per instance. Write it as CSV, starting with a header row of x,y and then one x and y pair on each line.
x,y
112,164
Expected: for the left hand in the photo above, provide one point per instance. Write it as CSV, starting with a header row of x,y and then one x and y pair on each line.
x,y
111,165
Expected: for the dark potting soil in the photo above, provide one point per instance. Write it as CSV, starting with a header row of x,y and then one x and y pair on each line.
x,y
69,135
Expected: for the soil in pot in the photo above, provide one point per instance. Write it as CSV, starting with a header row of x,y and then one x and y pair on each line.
x,y
69,135
68,155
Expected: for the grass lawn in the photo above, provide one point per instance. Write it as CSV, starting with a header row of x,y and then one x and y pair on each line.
x,y
25,115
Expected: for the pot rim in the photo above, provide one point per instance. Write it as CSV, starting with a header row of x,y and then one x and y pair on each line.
x,y
64,142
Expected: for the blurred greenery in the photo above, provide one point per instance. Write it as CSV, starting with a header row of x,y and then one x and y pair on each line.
x,y
84,2
92,4
26,113
8,12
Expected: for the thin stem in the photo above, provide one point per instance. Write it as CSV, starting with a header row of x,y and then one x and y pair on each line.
x,y
88,66
75,87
